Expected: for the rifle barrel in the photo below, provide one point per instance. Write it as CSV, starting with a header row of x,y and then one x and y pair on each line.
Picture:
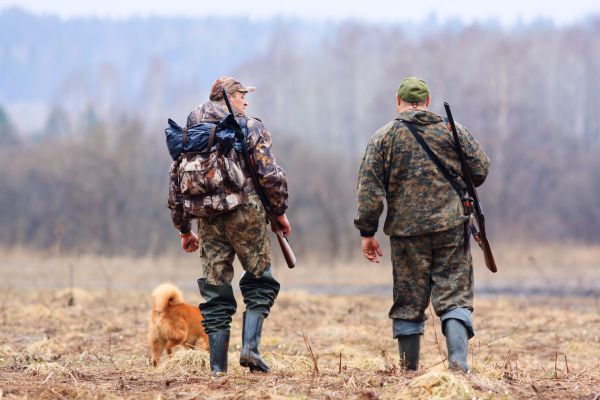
x,y
227,102
286,249
466,174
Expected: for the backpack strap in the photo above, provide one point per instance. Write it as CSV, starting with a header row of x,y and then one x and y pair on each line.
x,y
211,137
433,157
184,135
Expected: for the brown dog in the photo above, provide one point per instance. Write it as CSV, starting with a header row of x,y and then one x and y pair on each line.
x,y
173,322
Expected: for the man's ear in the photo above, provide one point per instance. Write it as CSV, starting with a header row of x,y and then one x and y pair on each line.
x,y
398,100
427,101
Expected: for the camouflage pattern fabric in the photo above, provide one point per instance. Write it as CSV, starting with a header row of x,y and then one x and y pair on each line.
x,y
271,176
230,84
212,183
242,232
431,265
175,201
395,168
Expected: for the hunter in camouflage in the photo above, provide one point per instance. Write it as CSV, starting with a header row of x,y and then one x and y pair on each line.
x,y
425,221
242,232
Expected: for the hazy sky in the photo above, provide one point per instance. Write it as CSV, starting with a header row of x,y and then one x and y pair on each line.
x,y
506,12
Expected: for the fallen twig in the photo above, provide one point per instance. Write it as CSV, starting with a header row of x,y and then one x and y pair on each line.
x,y
437,343
505,336
537,392
45,380
437,363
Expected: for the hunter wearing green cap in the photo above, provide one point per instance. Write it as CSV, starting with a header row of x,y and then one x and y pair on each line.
x,y
413,90
425,221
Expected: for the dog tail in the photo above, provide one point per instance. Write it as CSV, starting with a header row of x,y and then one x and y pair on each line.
x,y
166,295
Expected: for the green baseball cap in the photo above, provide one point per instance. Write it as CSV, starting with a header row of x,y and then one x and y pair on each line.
x,y
413,90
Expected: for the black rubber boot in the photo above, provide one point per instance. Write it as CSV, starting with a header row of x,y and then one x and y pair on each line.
x,y
220,305
259,293
219,346
251,332
409,347
456,340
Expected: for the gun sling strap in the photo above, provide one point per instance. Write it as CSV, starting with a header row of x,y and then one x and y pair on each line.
x,y
447,174
436,160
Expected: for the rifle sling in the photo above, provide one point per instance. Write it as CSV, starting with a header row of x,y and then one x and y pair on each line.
x,y
433,157
436,160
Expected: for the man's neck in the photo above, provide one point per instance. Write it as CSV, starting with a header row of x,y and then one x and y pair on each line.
x,y
411,108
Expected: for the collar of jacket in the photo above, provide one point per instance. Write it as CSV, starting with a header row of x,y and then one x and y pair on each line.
x,y
420,117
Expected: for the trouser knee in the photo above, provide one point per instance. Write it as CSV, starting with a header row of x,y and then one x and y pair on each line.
x,y
220,305
259,293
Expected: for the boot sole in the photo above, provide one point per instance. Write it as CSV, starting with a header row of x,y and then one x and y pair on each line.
x,y
248,362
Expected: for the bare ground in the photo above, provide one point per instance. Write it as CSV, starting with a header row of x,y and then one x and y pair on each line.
x,y
94,347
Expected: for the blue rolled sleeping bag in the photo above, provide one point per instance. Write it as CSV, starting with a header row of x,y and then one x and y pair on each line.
x,y
196,139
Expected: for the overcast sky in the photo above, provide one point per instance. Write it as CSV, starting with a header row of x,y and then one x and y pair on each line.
x,y
507,12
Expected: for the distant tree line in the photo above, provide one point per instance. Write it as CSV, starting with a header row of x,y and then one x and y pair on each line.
x,y
530,96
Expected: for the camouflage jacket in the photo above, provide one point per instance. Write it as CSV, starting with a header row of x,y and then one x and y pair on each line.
x,y
270,175
396,168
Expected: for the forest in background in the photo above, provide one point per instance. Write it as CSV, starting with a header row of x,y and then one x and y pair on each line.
x,y
94,177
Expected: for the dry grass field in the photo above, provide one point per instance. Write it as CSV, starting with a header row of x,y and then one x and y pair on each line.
x,y
89,342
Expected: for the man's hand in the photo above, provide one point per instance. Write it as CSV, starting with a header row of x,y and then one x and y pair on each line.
x,y
189,242
282,225
371,249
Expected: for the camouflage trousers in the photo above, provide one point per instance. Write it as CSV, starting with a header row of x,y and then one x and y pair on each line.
x,y
431,266
242,232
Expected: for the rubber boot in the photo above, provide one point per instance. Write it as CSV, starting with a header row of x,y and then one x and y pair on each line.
x,y
219,346
220,305
456,340
251,332
409,347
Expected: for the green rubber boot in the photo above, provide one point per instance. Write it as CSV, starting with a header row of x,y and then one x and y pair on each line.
x,y
456,340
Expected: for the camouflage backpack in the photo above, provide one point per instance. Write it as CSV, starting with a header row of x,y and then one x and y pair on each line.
x,y
212,181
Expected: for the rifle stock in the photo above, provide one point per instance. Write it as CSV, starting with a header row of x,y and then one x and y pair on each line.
x,y
480,237
286,249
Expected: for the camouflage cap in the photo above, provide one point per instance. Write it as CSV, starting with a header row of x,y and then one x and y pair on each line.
x,y
413,90
230,84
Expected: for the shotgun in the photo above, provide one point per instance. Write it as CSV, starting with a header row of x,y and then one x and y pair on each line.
x,y
231,123
478,234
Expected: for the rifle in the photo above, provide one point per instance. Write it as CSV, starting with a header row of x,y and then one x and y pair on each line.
x,y
231,122
476,211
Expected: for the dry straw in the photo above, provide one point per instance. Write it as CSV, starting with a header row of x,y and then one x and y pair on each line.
x,y
47,369
184,361
437,386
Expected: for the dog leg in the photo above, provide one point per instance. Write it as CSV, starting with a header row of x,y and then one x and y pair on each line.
x,y
170,344
158,347
201,343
